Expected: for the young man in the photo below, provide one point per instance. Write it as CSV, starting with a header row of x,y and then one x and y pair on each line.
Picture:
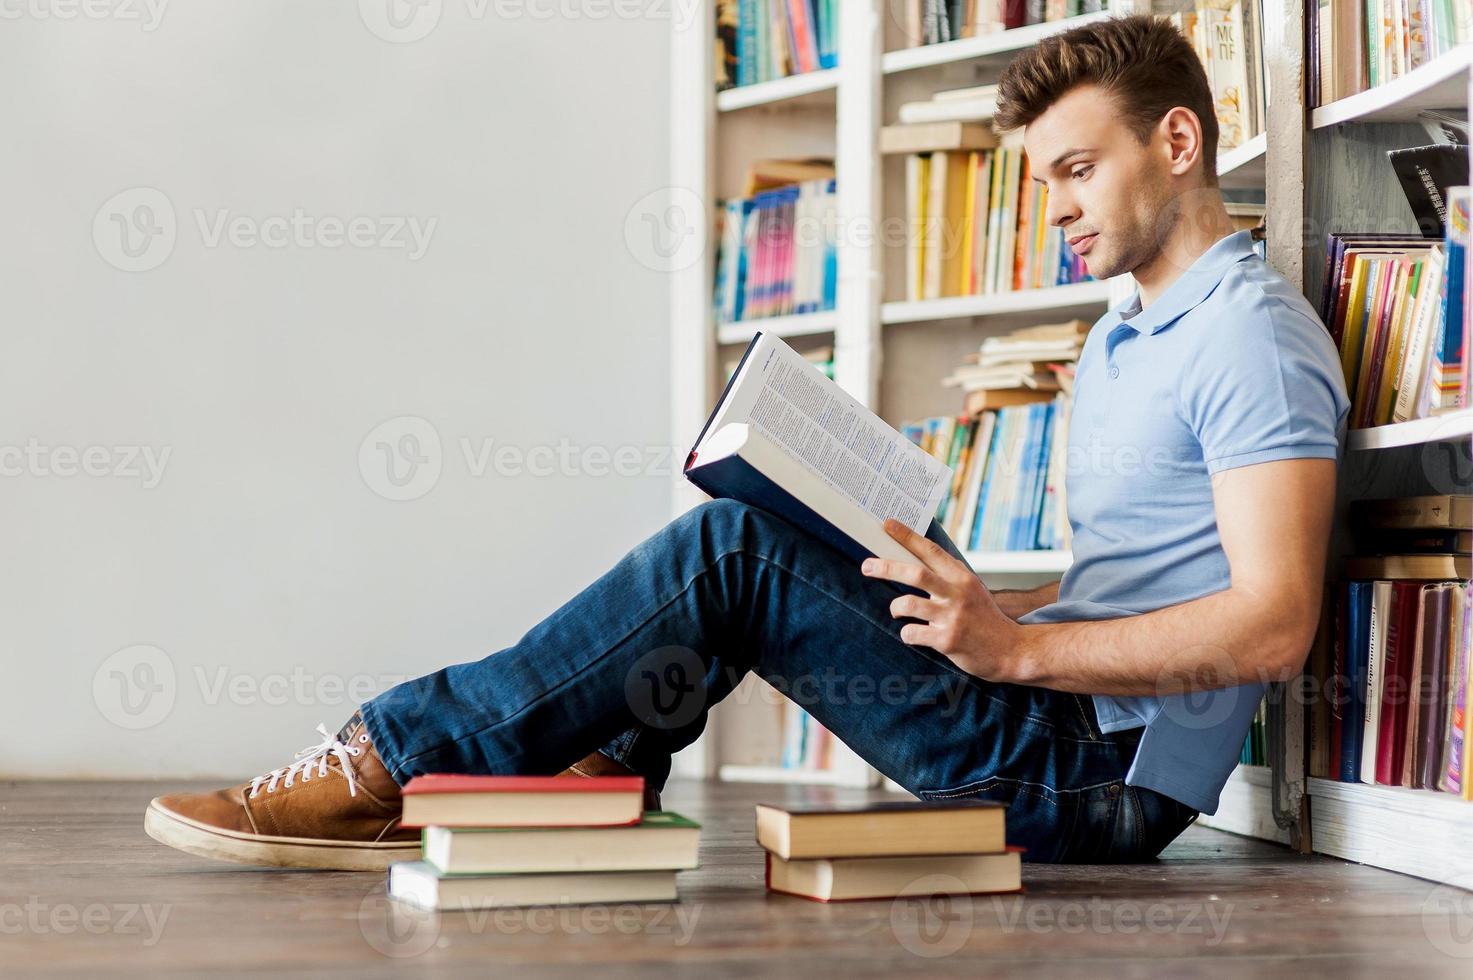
x,y
1106,710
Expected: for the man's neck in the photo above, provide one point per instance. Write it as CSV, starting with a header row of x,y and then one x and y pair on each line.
x,y
1194,234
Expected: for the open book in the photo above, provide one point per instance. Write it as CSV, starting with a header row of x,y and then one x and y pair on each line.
x,y
788,440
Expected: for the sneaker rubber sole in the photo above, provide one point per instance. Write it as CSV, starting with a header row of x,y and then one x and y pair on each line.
x,y
202,840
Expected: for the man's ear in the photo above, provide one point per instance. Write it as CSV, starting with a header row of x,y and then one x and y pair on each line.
x,y
1181,133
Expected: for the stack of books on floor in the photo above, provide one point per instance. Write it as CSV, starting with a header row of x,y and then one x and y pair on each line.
x,y
499,841
975,220
1007,448
760,40
1228,38
884,850
1345,57
938,21
1398,308
777,253
1397,672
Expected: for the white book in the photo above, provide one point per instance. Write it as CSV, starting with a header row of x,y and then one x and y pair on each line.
x,y
1375,664
788,440
418,883
952,110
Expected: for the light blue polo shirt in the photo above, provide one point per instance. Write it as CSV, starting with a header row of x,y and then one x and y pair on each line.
x,y
1229,367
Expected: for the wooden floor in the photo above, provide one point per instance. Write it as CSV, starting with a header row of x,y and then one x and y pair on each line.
x,y
84,893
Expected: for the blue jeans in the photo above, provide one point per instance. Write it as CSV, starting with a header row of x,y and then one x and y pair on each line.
x,y
633,663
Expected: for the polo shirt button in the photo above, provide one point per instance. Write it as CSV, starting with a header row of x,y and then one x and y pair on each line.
x,y
1114,372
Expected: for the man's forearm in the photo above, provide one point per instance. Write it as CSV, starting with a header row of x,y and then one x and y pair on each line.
x,y
1016,602
1218,640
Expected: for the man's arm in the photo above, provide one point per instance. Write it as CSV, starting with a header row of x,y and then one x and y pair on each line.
x,y
1273,521
1016,602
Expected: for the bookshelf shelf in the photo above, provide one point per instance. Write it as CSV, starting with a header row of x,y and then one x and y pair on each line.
x,y
1082,297
1440,84
1453,425
802,325
814,87
1013,562
1415,831
1242,166
777,774
999,46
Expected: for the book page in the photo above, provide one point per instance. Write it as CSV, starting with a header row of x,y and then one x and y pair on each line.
x,y
781,394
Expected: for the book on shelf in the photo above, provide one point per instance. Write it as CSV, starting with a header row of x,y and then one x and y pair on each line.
x,y
976,226
1008,448
1426,174
975,106
881,850
938,21
1228,38
777,254
1395,672
1355,45
1397,308
763,40
450,800
932,137
784,438
500,841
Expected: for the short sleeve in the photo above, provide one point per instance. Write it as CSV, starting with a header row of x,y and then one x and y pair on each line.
x,y
1267,386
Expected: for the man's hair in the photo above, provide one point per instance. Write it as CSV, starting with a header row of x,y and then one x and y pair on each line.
x,y
1143,62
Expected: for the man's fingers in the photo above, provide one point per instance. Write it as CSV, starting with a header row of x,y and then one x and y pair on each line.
x,y
935,557
919,635
917,576
915,607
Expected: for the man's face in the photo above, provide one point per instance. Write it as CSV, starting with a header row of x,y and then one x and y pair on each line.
x,y
1102,182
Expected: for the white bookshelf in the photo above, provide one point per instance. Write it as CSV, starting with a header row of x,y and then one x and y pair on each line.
x,y
1331,175
1085,298
815,87
991,563
801,325
987,50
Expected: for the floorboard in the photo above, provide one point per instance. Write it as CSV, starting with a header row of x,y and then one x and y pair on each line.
x,y
84,893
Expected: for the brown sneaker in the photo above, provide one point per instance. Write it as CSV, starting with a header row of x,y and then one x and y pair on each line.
x,y
335,808
599,764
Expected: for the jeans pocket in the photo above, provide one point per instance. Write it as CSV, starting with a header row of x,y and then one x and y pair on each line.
x,y
1039,819
1160,819
1095,838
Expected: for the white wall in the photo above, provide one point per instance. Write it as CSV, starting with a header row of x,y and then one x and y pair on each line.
x,y
263,566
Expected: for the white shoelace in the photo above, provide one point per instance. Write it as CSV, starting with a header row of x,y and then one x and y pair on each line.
x,y
313,755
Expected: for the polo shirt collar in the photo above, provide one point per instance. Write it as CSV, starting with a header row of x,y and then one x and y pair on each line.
x,y
1190,288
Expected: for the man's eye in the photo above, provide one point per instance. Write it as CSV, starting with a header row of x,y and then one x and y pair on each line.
x,y
1080,171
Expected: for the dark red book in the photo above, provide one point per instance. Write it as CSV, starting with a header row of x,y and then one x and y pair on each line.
x,y
1396,682
446,800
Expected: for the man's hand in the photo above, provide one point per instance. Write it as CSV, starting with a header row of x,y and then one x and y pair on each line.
x,y
959,618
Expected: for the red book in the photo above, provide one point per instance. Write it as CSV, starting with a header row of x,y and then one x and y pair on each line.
x,y
445,800
1396,682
